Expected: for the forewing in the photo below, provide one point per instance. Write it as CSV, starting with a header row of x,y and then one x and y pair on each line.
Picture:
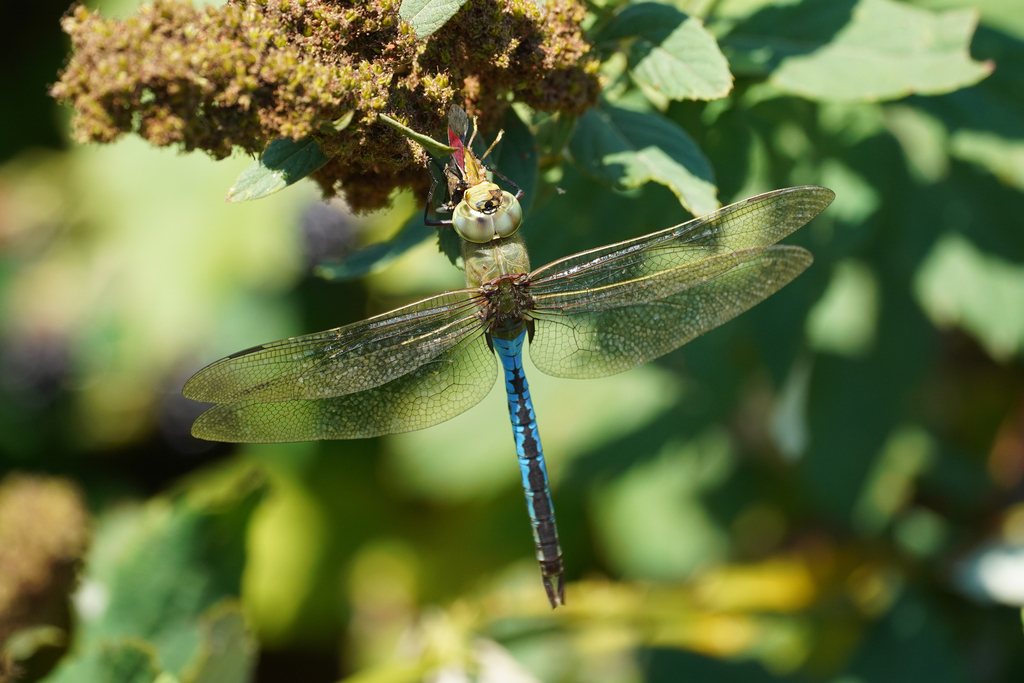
x,y
750,224
344,360
449,384
589,334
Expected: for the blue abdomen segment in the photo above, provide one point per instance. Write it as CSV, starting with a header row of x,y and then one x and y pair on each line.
x,y
532,468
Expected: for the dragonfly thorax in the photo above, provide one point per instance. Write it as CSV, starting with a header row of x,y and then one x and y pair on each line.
x,y
487,262
508,306
486,212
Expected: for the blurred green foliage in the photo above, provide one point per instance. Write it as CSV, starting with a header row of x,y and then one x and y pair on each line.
x,y
829,488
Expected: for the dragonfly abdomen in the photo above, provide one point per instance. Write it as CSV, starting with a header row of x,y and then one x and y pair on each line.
x,y
532,468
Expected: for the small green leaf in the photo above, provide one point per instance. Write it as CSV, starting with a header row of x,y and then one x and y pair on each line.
x,y
627,149
870,50
427,16
376,256
672,52
434,147
339,124
283,163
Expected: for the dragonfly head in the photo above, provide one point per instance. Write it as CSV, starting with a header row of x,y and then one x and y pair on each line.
x,y
486,212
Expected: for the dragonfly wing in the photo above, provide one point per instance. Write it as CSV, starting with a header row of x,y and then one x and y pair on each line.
x,y
589,334
450,383
344,360
750,224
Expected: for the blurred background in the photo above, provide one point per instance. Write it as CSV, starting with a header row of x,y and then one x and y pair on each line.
x,y
828,488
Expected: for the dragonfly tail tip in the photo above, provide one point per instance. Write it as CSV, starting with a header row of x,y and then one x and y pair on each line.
x,y
555,589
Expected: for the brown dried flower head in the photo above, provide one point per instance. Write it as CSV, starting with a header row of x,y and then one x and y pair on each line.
x,y
240,75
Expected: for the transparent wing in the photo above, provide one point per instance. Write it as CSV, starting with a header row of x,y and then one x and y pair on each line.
x,y
344,360
582,340
610,309
438,390
750,224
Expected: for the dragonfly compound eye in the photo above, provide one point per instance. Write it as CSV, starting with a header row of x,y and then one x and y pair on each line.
x,y
484,226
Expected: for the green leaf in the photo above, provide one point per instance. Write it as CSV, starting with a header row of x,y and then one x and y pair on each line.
x,y
985,123
658,500
434,147
924,141
164,571
845,318
124,661
988,130
1002,157
228,652
376,256
958,285
889,488
427,16
283,163
671,52
338,124
626,149
869,50
552,133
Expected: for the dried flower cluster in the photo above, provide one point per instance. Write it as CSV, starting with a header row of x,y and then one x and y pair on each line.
x,y
44,531
252,70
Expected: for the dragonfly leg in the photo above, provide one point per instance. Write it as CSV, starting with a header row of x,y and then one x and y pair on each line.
x,y
430,202
532,468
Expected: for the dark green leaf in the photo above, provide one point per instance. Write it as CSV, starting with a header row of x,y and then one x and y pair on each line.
x,y
671,52
426,16
627,149
283,163
434,147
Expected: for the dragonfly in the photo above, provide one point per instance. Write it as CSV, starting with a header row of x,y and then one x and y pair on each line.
x,y
589,315
481,210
